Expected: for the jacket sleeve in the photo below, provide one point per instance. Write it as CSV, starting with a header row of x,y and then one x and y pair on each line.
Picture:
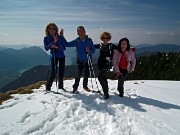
x,y
47,44
114,47
97,46
115,62
71,43
63,43
133,61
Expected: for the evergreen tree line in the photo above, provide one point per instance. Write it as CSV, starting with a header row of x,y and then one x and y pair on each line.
x,y
159,66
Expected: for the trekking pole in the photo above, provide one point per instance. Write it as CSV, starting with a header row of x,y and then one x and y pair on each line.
x,y
92,69
49,63
55,71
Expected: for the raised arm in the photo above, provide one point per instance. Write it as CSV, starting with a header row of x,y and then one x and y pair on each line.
x,y
71,43
97,46
114,47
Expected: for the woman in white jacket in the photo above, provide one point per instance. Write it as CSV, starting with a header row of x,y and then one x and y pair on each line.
x,y
124,62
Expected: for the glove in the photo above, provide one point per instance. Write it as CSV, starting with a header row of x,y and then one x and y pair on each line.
x,y
130,71
118,74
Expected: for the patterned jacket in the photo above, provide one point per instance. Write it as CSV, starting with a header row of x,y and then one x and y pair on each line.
x,y
131,60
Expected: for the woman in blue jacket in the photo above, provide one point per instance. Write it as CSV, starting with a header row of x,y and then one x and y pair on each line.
x,y
56,44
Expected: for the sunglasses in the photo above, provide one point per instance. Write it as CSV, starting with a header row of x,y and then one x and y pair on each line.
x,y
105,38
52,28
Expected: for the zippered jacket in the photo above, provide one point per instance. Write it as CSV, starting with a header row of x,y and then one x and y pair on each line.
x,y
105,55
81,48
131,60
61,43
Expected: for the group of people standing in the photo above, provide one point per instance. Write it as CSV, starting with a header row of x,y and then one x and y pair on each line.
x,y
121,57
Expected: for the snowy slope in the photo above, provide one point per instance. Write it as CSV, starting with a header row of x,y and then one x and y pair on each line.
x,y
148,108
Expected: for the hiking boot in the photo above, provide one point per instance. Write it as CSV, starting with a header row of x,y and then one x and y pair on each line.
x,y
106,96
86,88
48,89
74,90
61,87
121,95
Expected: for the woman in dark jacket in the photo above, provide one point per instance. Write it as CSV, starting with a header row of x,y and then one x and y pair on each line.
x,y
104,60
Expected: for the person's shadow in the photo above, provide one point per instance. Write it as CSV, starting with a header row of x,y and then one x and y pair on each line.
x,y
98,103
136,102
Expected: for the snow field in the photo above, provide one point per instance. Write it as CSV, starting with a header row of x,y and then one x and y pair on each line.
x,y
147,108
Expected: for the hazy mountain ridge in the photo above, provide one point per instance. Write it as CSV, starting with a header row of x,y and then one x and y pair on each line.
x,y
23,58
36,74
160,66
152,49
13,61
17,47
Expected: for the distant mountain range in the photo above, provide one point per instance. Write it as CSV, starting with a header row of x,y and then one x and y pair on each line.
x,y
23,58
151,49
13,62
36,74
17,47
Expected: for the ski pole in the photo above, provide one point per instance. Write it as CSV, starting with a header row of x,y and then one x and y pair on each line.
x,y
90,71
55,71
49,66
89,59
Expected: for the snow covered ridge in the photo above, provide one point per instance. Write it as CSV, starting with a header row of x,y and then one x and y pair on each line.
x,y
148,108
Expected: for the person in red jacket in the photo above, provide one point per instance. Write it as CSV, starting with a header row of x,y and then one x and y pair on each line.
x,y
124,62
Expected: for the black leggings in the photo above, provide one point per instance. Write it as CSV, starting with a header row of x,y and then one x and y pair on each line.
x,y
103,81
61,62
121,80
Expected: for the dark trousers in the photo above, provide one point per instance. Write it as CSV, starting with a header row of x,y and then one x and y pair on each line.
x,y
103,81
121,80
82,67
61,62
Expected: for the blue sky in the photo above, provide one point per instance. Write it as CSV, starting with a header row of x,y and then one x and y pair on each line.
x,y
142,21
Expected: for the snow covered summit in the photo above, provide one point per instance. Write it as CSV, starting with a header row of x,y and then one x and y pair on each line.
x,y
148,108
